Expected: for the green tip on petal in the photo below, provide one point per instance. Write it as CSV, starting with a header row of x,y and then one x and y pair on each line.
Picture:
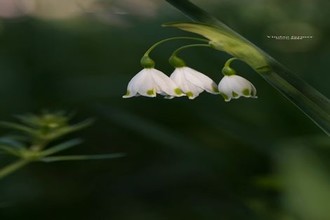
x,y
178,91
246,92
225,97
190,95
235,95
151,92
215,89
127,94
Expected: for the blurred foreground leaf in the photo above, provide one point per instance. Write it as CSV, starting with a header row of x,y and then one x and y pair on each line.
x,y
39,131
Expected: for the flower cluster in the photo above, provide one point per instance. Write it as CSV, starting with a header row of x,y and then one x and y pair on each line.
x,y
185,81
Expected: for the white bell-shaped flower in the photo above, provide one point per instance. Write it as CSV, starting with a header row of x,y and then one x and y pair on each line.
x,y
150,81
190,81
234,86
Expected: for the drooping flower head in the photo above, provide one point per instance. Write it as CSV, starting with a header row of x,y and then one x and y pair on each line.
x,y
190,81
233,86
150,81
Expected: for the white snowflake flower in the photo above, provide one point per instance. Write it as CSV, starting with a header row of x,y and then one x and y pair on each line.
x,y
192,82
234,86
149,82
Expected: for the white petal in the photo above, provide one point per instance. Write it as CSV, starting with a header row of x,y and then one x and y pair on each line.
x,y
134,84
189,76
179,77
165,85
225,88
192,91
239,84
192,82
147,86
246,85
201,80
141,84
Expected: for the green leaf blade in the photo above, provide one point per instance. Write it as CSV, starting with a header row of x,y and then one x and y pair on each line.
x,y
60,147
81,157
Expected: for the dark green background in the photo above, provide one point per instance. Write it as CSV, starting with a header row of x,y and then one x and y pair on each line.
x,y
201,159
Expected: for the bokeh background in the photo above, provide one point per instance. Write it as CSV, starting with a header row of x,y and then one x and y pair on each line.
x,y
202,159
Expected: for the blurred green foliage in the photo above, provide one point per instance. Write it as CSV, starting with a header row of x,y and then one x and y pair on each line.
x,y
201,159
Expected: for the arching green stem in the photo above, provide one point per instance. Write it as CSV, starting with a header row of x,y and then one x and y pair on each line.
x,y
173,38
147,62
227,70
175,61
229,61
189,46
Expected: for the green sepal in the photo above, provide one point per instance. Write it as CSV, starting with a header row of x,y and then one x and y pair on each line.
x,y
147,62
176,62
228,71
